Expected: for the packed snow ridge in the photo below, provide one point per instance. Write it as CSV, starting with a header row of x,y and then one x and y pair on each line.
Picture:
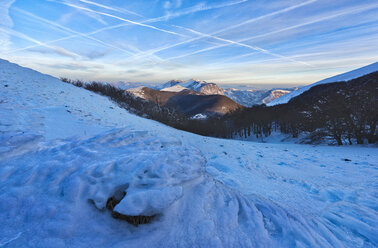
x,y
64,151
338,78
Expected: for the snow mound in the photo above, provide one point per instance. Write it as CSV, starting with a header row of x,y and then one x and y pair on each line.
x,y
52,190
338,78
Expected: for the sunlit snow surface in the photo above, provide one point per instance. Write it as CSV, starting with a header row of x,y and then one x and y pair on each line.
x,y
64,151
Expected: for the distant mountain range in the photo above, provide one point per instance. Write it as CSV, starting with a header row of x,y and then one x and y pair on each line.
x,y
180,90
200,97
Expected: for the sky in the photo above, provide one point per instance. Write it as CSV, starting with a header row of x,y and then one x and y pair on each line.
x,y
261,42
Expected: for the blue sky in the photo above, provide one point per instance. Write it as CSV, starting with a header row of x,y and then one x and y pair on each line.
x,y
226,41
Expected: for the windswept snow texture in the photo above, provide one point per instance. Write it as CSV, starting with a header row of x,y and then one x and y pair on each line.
x,y
64,151
338,78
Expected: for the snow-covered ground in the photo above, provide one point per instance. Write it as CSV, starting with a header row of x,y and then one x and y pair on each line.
x,y
64,151
338,78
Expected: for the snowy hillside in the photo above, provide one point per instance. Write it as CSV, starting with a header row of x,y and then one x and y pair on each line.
x,y
342,77
65,151
176,88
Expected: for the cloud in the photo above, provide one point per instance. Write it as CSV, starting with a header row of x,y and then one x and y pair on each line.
x,y
97,54
74,66
132,71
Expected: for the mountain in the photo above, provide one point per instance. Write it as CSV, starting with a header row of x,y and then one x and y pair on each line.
x,y
195,85
77,170
167,84
342,77
246,98
187,101
251,97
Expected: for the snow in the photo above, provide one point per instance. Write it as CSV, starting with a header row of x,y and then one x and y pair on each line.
x,y
137,91
64,151
338,78
199,117
175,88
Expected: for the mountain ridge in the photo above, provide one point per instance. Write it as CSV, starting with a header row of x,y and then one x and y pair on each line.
x,y
337,78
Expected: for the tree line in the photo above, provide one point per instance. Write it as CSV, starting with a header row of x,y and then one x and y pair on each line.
x,y
344,111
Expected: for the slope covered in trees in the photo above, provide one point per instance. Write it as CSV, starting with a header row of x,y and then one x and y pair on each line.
x,y
345,112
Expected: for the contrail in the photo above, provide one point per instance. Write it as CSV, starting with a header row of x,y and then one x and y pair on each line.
x,y
194,9
154,51
122,19
72,36
57,49
350,11
255,48
124,11
190,10
70,30
267,15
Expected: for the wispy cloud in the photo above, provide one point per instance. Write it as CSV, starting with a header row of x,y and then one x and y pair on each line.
x,y
57,49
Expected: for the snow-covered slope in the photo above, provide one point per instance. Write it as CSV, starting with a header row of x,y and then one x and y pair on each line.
x,y
192,84
203,87
64,151
167,84
342,77
175,88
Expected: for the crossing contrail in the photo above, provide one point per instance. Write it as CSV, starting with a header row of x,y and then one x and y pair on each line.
x,y
156,50
255,48
342,13
122,19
